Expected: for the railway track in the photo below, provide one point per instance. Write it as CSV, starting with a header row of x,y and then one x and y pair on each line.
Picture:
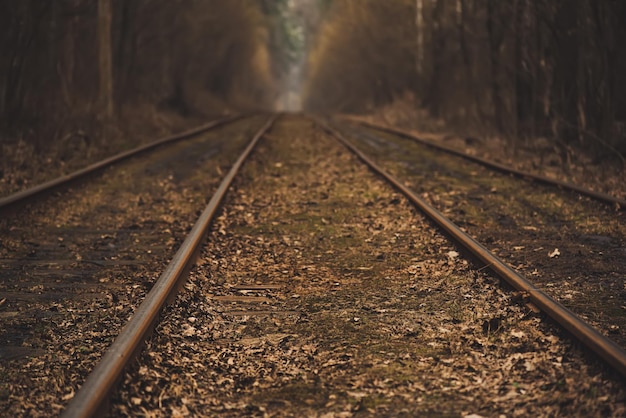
x,y
571,247
74,265
20,198
606,348
619,204
321,289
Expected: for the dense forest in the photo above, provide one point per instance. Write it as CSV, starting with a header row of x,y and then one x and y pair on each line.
x,y
73,62
363,55
519,68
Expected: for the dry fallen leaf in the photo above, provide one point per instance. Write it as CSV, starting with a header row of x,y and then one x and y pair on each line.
x,y
554,253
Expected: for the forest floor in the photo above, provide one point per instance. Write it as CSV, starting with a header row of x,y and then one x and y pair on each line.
x,y
24,165
362,309
538,155
368,310
28,159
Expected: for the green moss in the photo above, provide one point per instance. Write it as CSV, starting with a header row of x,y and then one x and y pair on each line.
x,y
300,394
5,391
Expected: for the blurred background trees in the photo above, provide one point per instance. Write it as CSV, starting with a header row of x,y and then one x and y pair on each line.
x,y
363,55
529,67
519,68
64,61
293,24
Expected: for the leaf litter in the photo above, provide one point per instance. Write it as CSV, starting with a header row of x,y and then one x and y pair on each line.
x,y
416,332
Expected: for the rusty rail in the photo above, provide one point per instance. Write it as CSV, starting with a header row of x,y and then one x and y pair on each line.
x,y
607,349
91,397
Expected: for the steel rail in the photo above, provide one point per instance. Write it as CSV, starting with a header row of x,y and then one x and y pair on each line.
x,y
603,197
607,349
91,397
24,195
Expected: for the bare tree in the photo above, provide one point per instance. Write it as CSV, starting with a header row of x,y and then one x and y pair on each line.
x,y
105,58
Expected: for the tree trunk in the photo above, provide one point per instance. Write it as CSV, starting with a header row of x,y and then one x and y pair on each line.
x,y
433,97
495,41
105,60
419,55
523,80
